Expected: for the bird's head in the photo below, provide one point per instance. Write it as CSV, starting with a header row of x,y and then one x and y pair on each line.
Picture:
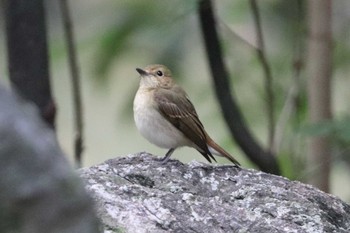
x,y
155,76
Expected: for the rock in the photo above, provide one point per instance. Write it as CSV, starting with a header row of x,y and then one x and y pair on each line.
x,y
39,191
140,194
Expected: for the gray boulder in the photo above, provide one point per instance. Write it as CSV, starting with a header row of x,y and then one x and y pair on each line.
x,y
139,194
39,191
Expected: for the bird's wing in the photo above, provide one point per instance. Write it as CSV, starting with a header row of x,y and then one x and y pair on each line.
x,y
178,110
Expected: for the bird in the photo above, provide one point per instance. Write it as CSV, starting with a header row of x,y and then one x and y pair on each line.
x,y
165,116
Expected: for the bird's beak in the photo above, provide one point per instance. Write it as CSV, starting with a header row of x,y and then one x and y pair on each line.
x,y
141,72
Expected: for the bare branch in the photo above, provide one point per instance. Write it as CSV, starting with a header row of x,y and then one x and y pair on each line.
x,y
224,26
73,65
287,111
270,100
263,159
290,105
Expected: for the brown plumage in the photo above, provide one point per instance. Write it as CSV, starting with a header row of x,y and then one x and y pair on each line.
x,y
172,102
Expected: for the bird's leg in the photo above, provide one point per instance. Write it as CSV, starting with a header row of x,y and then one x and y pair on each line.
x,y
167,155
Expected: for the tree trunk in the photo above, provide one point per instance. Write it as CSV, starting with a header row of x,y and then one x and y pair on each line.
x,y
319,88
28,55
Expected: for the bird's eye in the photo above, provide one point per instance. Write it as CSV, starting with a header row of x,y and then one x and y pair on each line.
x,y
159,73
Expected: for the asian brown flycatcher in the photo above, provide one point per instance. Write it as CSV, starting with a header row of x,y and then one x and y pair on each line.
x,y
166,117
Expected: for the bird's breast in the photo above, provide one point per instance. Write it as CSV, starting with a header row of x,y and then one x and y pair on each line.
x,y
153,126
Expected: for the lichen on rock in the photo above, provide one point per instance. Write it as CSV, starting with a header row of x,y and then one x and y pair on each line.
x,y
138,193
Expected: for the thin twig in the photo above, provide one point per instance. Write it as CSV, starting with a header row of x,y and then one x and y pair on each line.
x,y
78,113
227,28
287,111
267,70
290,104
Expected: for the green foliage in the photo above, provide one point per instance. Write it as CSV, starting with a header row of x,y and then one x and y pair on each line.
x,y
145,26
112,44
338,129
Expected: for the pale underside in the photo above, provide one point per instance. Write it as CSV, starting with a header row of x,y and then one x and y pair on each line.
x,y
153,126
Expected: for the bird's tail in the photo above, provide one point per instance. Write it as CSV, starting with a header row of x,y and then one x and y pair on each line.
x,y
217,150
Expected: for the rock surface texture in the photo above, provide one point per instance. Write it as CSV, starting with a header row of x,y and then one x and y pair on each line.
x,y
140,194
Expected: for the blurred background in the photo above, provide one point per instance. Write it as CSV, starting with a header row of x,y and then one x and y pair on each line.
x,y
112,38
